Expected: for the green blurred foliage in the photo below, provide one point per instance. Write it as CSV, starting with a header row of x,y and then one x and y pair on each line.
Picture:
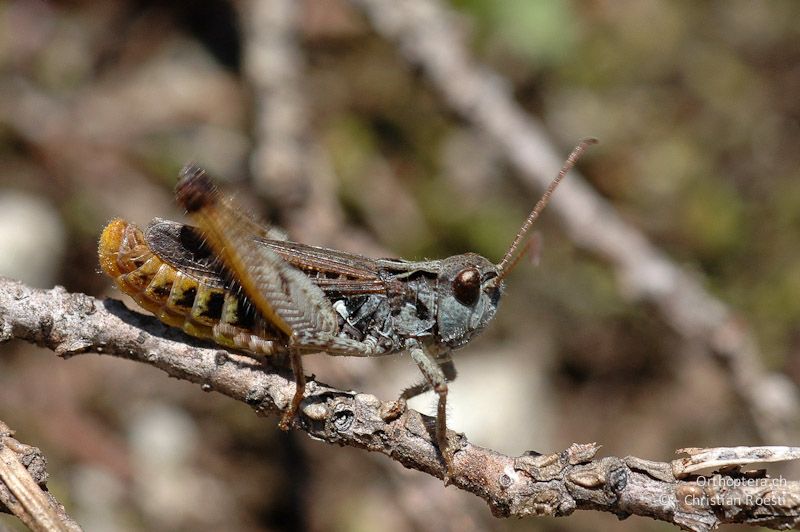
x,y
540,32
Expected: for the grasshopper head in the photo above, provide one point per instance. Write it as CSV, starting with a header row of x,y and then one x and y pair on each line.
x,y
468,297
469,286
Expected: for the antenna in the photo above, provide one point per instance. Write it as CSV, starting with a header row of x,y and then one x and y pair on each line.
x,y
509,260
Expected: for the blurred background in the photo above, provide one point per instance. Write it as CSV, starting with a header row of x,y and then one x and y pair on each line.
x,y
321,125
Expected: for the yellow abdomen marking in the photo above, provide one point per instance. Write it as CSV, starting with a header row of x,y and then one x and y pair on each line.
x,y
177,299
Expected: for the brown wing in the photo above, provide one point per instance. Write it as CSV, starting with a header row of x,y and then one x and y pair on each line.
x,y
331,262
182,247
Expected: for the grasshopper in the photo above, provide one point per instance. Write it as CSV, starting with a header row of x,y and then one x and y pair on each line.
x,y
246,287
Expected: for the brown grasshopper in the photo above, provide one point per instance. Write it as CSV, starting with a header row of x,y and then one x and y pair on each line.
x,y
244,286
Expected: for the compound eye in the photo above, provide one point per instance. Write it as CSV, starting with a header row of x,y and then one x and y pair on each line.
x,y
467,286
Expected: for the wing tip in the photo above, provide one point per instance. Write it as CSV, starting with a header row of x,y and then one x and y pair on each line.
x,y
195,189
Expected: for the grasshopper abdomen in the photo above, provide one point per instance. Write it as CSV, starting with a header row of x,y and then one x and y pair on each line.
x,y
202,307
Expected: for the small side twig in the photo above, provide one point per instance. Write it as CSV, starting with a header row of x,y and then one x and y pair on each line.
x,y
23,493
532,484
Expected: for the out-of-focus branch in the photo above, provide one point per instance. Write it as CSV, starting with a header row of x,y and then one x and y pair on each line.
x,y
532,484
425,32
274,68
286,162
23,475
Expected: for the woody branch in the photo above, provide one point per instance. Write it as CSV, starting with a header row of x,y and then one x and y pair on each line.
x,y
533,484
23,476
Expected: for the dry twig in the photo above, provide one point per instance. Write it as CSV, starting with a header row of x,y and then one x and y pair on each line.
x,y
532,484
23,476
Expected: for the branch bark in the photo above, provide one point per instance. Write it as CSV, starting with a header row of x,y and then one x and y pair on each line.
x,y
533,484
